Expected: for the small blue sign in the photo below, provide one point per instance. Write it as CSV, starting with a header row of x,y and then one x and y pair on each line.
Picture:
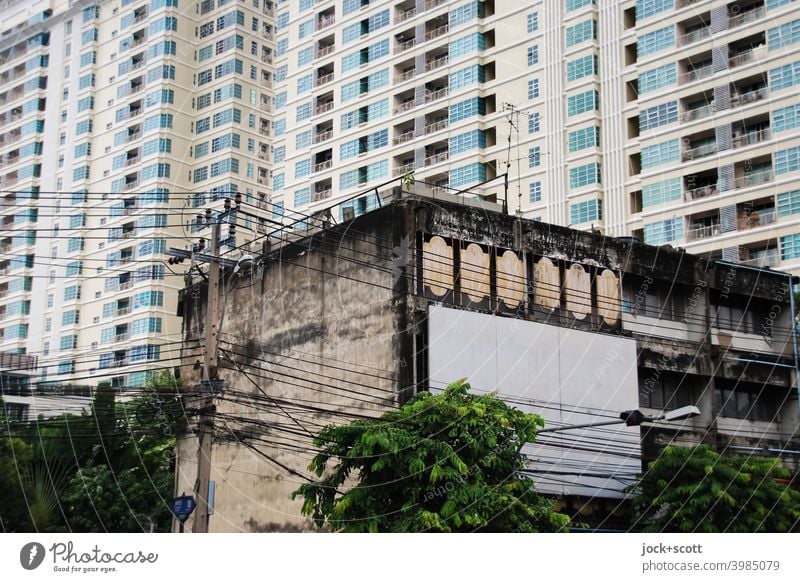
x,y
183,507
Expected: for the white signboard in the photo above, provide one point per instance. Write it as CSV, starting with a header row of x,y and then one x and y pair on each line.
x,y
569,377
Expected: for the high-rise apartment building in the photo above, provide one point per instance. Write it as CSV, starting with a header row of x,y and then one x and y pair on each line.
x,y
672,120
120,121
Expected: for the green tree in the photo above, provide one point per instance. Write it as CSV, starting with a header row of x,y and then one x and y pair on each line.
x,y
14,453
445,463
694,489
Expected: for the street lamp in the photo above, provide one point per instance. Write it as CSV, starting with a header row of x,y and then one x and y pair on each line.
x,y
634,418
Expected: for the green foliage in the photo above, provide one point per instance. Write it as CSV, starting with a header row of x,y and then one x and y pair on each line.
x,y
108,470
443,463
694,489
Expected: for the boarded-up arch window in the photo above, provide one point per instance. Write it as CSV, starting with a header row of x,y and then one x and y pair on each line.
x,y
475,273
547,284
510,279
578,291
437,266
608,306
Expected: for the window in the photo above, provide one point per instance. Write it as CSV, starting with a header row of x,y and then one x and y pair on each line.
x,y
70,317
302,196
86,81
465,13
587,137
305,56
88,58
581,32
787,160
465,45
790,247
785,76
659,154
661,192
534,122
466,109
466,77
302,168
658,115
649,8
789,203
743,400
535,192
534,157
583,102
467,141
533,21
665,231
657,78
586,211
304,83
656,41
533,55
467,175
584,175
784,35
786,118
582,67
533,88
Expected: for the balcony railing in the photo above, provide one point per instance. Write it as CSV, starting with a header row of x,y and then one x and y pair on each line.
x,y
404,169
323,107
406,106
322,166
325,50
698,113
744,57
702,192
751,138
437,94
766,260
431,4
131,185
323,79
437,32
698,73
404,137
326,21
323,136
437,126
749,97
699,152
437,158
405,76
405,45
406,14
321,195
695,35
755,219
745,17
754,179
122,311
701,232
437,62
121,337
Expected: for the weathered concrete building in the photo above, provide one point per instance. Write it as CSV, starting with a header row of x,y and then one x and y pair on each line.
x,y
338,321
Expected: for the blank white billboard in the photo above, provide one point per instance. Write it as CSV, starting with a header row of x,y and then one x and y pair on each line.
x,y
567,376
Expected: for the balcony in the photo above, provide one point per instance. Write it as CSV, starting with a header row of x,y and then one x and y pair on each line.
x,y
756,219
326,21
324,51
431,4
321,195
130,186
751,138
695,35
697,73
405,15
437,126
404,137
699,232
405,76
701,151
404,169
119,363
746,17
702,192
770,258
749,55
121,337
406,45
406,106
748,97
324,79
698,113
436,63
437,32
437,94
324,165
323,136
437,158
122,311
754,179
323,108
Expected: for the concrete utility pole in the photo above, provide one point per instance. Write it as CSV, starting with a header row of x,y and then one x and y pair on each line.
x,y
205,424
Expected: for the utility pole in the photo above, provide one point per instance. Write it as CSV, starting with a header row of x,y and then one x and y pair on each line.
x,y
205,423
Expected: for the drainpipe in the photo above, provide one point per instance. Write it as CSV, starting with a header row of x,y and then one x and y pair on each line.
x,y
794,337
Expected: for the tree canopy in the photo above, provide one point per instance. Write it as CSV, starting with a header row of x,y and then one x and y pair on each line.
x,y
447,462
694,489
